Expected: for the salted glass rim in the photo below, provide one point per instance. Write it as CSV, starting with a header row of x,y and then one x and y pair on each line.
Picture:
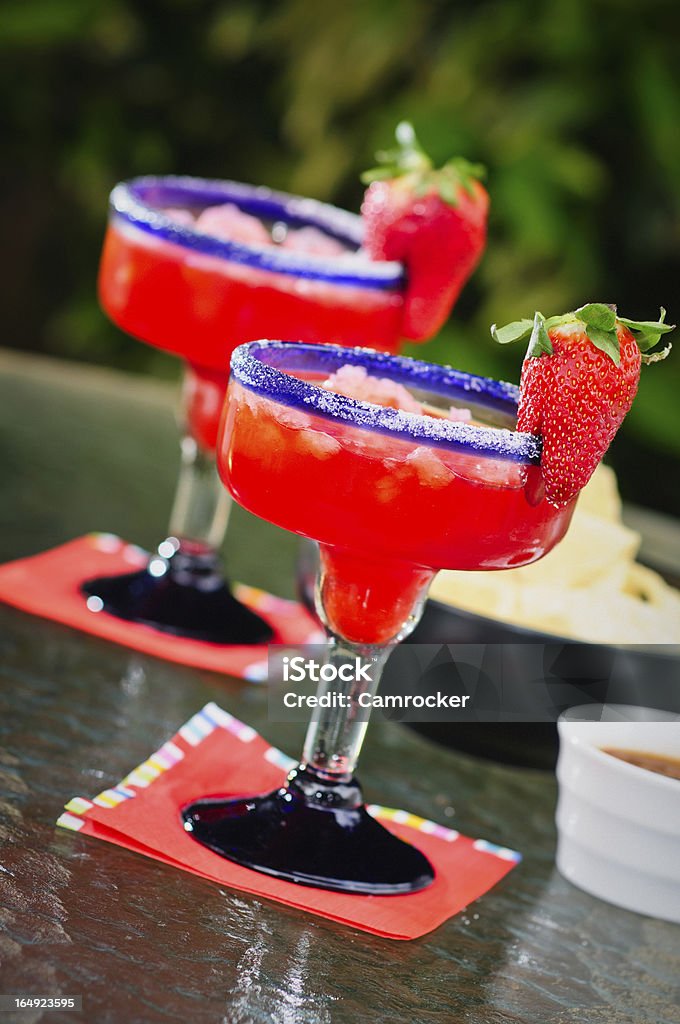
x,y
260,366
135,203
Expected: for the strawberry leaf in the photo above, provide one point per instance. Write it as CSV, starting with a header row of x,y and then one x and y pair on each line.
x,y
657,357
648,333
405,135
376,174
518,330
647,339
539,342
600,321
448,191
462,174
598,315
557,321
606,341
409,158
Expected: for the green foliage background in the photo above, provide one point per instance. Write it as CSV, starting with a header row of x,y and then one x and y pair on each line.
x,y
574,106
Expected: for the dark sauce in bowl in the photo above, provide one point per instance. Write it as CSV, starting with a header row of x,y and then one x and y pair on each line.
x,y
659,763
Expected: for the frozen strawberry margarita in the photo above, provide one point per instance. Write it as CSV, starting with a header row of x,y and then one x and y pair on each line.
x,y
197,267
383,460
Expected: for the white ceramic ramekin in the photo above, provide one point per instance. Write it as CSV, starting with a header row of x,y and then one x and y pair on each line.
x,y
619,825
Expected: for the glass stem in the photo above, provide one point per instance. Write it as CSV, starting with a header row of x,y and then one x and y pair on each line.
x,y
336,733
200,512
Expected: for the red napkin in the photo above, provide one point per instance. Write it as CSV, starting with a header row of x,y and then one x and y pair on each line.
x,y
214,752
48,585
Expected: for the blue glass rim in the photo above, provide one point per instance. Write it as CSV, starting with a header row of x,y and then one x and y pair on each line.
x,y
261,367
138,202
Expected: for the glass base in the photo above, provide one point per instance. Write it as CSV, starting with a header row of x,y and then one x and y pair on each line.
x,y
312,832
184,594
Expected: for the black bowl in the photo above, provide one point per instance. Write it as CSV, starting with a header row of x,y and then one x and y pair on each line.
x,y
575,672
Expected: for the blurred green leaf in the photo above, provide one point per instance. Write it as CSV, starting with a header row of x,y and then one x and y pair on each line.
x,y
43,22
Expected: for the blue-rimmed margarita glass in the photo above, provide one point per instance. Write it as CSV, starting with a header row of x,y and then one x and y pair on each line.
x,y
391,497
199,296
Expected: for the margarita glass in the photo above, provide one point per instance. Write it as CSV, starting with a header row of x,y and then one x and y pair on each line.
x,y
198,296
391,497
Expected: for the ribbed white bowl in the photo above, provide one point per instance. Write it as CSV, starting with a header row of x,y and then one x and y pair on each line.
x,y
619,825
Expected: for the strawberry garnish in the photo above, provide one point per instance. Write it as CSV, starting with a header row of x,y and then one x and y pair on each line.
x,y
432,220
579,379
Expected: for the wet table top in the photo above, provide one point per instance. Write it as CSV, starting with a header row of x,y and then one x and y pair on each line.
x,y
86,449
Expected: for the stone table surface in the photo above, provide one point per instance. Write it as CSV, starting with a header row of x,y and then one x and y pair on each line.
x,y
84,449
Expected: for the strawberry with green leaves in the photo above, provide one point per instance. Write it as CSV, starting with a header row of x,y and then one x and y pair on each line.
x,y
432,220
579,379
